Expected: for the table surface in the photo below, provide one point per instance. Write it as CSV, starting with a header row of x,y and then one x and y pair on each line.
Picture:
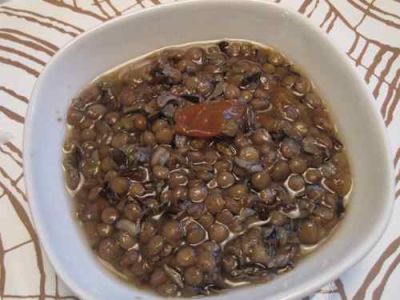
x,y
31,32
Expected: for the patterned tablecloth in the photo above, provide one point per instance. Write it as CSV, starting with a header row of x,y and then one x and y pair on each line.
x,y
31,32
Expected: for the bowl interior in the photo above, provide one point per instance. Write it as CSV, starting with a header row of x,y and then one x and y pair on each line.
x,y
134,35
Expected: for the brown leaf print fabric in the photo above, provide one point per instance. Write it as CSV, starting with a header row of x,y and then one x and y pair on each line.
x,y
31,32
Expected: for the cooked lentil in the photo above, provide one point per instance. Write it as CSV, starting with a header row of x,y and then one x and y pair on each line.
x,y
200,168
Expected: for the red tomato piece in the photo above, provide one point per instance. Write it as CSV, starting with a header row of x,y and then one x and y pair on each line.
x,y
206,119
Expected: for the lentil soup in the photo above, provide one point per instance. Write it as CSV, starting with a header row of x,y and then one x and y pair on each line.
x,y
204,167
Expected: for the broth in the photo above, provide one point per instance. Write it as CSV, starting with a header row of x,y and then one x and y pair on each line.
x,y
203,167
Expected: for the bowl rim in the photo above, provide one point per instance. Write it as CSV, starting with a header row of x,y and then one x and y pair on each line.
x,y
302,290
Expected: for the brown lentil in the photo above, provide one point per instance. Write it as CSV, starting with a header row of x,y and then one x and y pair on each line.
x,y
193,276
109,215
225,179
132,211
214,202
186,257
296,183
260,180
218,232
172,230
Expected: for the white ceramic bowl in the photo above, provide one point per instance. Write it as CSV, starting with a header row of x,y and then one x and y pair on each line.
x,y
125,38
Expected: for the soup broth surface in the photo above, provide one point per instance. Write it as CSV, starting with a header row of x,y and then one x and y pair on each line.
x,y
203,167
